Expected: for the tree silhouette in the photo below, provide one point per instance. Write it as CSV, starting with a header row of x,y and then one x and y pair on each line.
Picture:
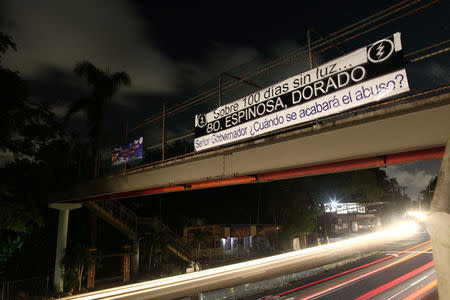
x,y
77,259
6,42
39,163
426,195
199,237
104,85
154,249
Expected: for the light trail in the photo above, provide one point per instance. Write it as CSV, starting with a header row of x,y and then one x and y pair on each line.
x,y
414,283
362,276
396,281
240,269
351,270
422,291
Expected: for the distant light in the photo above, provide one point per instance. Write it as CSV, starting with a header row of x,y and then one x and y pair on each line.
x,y
418,215
333,202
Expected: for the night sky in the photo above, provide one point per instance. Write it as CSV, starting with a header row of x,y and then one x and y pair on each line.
x,y
170,49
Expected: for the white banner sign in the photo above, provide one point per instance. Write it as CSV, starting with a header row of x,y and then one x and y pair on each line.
x,y
362,77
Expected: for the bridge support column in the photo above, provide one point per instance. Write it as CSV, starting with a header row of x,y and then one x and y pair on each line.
x,y
438,225
61,240
135,258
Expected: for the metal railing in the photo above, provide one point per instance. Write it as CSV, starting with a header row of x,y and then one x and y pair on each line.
x,y
119,212
30,288
124,215
178,243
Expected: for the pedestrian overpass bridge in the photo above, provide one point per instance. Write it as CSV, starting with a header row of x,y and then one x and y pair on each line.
x,y
392,133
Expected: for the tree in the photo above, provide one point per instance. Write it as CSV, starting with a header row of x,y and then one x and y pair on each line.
x,y
104,86
6,42
14,95
426,195
16,216
76,260
301,222
154,249
199,237
39,150
25,126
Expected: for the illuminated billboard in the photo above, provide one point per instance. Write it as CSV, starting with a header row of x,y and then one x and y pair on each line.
x,y
362,77
123,154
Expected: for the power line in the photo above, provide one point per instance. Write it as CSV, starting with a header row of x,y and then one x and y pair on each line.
x,y
318,43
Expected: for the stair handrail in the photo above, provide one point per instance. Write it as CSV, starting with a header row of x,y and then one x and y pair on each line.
x,y
178,242
129,218
202,253
120,212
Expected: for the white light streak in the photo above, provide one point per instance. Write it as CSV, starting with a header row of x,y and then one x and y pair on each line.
x,y
401,230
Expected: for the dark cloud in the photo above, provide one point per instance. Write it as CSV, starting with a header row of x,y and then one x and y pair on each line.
x,y
414,176
108,33
56,86
53,35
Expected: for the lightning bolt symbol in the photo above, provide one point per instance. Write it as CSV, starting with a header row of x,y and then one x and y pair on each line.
x,y
380,49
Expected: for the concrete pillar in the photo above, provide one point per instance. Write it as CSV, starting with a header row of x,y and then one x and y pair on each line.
x,y
61,241
135,259
438,225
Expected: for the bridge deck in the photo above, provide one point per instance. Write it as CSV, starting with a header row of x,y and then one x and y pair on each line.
x,y
418,125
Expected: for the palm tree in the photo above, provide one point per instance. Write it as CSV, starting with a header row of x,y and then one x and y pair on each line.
x,y
154,247
104,85
200,237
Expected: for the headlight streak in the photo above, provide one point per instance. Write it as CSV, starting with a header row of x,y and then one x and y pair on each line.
x,y
396,281
422,291
117,292
412,284
349,271
363,275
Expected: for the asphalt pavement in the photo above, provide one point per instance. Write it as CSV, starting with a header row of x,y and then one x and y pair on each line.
x,y
402,269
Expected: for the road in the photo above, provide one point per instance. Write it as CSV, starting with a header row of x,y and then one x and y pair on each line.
x,y
270,267
389,275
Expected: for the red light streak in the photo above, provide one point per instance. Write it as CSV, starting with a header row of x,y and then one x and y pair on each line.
x,y
395,281
421,291
345,272
363,275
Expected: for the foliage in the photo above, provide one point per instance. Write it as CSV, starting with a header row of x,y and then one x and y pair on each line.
x,y
200,237
104,85
16,216
76,260
5,43
9,246
300,222
39,148
426,195
154,251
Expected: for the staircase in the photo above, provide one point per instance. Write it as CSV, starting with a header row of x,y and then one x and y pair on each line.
x,y
117,215
124,220
177,245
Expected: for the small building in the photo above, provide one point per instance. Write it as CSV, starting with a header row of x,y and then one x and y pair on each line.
x,y
236,241
341,218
